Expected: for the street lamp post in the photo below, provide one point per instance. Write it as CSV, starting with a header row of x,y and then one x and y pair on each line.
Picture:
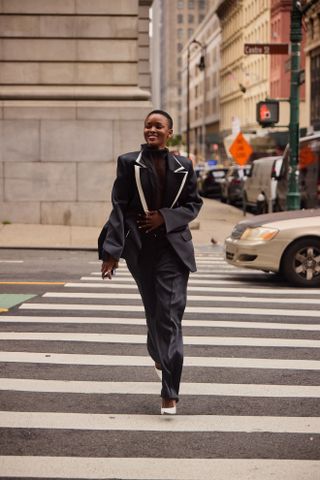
x,y
297,12
293,196
201,66
188,100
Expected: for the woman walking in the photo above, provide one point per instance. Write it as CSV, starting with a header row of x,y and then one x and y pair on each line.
x,y
154,198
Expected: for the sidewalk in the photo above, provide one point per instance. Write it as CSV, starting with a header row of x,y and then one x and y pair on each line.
x,y
213,225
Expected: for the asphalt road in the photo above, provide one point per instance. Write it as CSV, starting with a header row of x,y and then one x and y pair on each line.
x,y
79,397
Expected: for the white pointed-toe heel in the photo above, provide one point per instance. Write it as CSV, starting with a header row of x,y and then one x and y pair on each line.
x,y
168,410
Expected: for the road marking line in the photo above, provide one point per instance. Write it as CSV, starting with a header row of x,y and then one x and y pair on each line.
x,y
91,468
191,298
201,279
141,321
193,281
147,423
138,308
32,283
141,339
139,361
264,291
152,388
11,261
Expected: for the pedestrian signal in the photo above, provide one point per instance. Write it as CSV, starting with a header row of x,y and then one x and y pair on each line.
x,y
268,113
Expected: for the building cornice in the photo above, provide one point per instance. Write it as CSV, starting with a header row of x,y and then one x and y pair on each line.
x,y
281,6
30,92
226,5
145,3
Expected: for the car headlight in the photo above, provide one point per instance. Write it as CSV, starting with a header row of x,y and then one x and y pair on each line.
x,y
259,233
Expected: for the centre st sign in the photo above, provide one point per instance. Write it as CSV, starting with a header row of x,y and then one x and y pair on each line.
x,y
266,48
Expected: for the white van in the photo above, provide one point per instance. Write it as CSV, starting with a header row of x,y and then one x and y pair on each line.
x,y
308,174
259,190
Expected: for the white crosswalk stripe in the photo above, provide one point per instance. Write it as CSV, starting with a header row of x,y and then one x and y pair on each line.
x,y
249,396
139,361
141,339
196,423
189,309
149,469
150,388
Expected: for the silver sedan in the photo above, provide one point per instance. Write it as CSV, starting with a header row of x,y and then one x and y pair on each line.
x,y
285,242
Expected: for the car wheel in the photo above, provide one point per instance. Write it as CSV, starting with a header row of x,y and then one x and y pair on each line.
x,y
301,263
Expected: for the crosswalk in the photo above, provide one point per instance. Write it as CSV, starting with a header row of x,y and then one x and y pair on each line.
x,y
79,398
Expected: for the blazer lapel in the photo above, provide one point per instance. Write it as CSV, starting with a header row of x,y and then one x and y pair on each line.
x,y
142,182
175,181
176,178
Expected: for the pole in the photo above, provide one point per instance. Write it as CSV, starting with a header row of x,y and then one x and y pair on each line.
x,y
204,106
293,196
188,101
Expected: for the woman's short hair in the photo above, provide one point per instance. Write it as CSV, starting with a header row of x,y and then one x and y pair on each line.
x,y
165,114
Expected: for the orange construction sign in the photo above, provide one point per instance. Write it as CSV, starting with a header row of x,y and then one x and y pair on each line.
x,y
307,156
240,149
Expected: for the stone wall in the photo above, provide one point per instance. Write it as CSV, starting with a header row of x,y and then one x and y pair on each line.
x,y
74,82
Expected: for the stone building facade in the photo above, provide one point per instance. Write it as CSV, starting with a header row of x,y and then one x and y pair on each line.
x,y
74,90
231,17
204,86
179,19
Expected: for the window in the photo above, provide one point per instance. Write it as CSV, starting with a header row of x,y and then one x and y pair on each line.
x,y
179,47
179,76
179,61
202,4
180,4
191,4
180,18
214,79
315,90
214,105
214,55
311,28
201,17
190,32
190,18
180,33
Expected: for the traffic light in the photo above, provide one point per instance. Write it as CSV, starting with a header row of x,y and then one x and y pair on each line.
x,y
268,113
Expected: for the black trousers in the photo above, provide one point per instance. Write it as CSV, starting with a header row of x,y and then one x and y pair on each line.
x,y
162,281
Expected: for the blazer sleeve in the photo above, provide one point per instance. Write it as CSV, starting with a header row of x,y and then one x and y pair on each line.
x,y
114,229
188,205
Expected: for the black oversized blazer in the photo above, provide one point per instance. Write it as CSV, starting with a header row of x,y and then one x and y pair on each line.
x,y
132,193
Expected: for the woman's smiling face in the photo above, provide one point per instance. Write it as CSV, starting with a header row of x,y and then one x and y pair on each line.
x,y
157,130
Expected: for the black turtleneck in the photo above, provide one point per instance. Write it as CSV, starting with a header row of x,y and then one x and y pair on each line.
x,y
156,161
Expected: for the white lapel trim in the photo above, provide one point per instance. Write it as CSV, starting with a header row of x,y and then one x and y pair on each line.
x,y
185,173
138,182
181,167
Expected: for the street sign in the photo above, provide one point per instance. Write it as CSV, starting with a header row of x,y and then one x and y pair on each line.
x,y
266,48
240,149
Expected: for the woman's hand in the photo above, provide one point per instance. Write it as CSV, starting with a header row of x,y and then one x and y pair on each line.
x,y
108,266
150,221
